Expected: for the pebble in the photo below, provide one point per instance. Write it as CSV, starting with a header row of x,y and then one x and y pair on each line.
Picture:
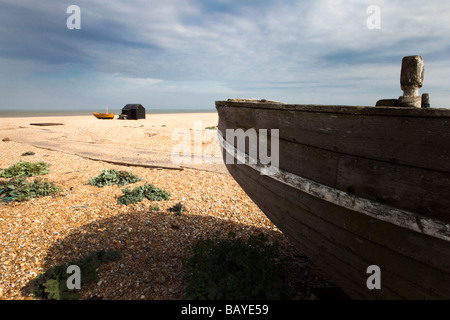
x,y
46,231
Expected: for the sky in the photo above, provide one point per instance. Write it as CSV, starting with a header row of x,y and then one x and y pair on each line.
x,y
191,53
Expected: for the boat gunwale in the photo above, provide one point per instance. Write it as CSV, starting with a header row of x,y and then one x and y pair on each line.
x,y
342,109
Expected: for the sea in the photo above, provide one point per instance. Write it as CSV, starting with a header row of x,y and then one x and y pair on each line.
x,y
71,113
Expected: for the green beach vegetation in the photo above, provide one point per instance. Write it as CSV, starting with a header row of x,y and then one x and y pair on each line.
x,y
25,169
138,194
109,177
19,189
234,269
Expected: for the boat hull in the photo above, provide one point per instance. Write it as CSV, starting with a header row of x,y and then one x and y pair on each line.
x,y
347,205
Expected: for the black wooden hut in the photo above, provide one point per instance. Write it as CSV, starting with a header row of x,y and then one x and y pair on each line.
x,y
134,111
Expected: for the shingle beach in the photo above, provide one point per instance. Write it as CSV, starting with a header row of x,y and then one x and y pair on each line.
x,y
42,232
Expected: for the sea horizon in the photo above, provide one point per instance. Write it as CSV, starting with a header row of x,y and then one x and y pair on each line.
x,y
69,113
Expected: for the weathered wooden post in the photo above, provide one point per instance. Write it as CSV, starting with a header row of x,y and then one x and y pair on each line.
x,y
411,80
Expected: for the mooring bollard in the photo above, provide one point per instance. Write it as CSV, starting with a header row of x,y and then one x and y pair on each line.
x,y
411,80
426,100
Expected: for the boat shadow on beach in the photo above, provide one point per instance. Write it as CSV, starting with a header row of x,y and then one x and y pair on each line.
x,y
153,245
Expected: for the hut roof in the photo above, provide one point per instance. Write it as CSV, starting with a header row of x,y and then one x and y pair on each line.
x,y
132,106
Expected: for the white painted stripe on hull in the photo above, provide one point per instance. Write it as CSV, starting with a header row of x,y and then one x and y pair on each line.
x,y
399,217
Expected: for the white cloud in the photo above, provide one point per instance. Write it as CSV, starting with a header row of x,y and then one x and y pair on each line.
x,y
136,83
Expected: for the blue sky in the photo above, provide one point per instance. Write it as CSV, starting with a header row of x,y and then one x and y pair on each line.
x,y
190,53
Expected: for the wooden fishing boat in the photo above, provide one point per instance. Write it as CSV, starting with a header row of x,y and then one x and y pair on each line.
x,y
105,115
354,187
